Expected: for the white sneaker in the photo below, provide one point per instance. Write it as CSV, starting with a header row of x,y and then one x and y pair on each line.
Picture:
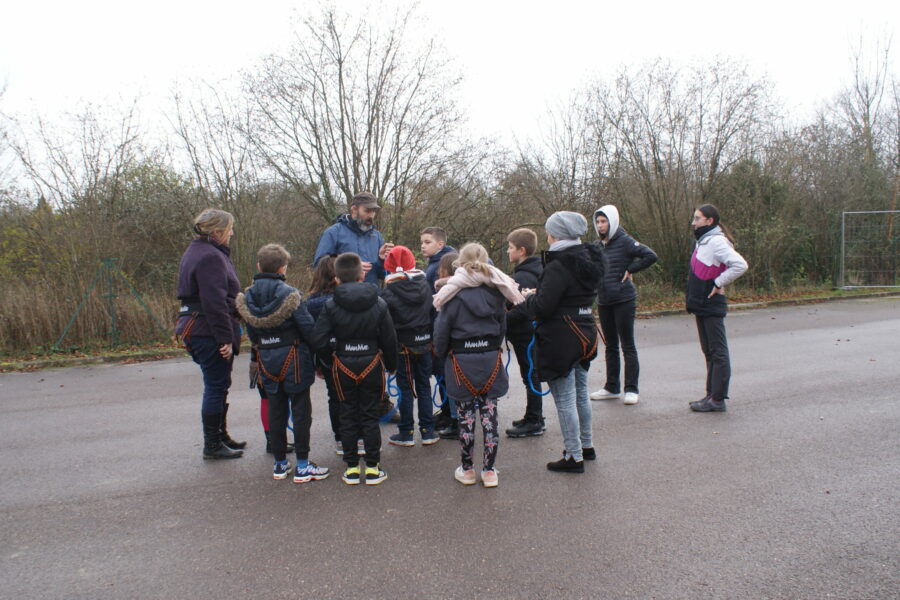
x,y
465,477
630,398
489,478
602,394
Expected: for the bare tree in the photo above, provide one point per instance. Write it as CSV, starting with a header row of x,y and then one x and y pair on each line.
x,y
353,107
668,135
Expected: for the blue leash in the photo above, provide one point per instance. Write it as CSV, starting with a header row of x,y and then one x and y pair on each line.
x,y
531,368
393,391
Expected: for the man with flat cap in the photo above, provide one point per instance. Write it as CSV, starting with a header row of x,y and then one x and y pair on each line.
x,y
355,232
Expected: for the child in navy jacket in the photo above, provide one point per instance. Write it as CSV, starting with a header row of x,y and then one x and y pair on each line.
x,y
280,325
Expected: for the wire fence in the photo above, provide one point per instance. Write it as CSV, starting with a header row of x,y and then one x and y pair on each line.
x,y
870,249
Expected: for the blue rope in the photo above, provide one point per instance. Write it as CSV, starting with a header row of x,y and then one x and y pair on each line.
x,y
531,368
508,359
290,423
393,391
438,384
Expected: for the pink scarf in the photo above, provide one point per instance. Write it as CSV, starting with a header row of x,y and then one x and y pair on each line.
x,y
463,278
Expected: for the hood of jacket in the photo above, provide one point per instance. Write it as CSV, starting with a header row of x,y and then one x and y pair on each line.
x,y
268,302
437,256
356,296
584,262
347,221
531,265
481,301
410,287
612,215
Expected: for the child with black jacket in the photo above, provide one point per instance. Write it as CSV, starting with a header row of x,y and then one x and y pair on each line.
x,y
521,246
408,296
355,328
468,331
279,324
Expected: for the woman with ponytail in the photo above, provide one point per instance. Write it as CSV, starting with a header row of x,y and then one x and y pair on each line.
x,y
714,264
208,323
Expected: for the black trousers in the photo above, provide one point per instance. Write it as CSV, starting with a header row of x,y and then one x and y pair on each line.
x,y
360,414
534,409
718,362
301,410
617,324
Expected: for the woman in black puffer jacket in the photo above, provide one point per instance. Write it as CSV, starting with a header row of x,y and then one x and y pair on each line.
x,y
617,301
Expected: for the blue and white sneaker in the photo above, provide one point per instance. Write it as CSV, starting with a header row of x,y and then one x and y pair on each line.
x,y
403,438
281,470
429,436
311,472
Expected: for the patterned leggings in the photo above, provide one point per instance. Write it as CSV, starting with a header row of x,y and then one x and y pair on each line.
x,y
488,409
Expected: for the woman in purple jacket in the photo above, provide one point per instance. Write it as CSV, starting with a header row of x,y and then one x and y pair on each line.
x,y
208,323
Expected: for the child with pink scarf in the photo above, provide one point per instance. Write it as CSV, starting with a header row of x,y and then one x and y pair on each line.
x,y
469,329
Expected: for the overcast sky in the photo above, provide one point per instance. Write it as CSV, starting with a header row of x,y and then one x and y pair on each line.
x,y
517,57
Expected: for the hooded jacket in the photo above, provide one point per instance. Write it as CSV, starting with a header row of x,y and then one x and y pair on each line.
x,y
346,236
408,297
272,309
518,320
568,286
472,312
206,276
355,312
714,263
623,254
434,263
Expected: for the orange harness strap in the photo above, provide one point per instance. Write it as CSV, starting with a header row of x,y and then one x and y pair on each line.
x,y
186,334
409,373
339,367
461,377
588,348
294,356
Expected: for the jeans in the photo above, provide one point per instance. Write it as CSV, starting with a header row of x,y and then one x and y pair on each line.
x,y
216,373
301,413
718,362
617,324
418,368
573,406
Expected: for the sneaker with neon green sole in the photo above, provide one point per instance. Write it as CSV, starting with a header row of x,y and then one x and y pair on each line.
x,y
351,475
375,475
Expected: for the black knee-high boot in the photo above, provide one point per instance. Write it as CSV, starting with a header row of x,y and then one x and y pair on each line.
x,y
213,446
226,439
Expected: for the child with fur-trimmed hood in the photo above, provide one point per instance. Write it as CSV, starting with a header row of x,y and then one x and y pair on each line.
x,y
280,325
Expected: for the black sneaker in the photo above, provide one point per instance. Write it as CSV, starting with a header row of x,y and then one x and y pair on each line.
x,y
518,422
708,405
589,453
566,465
451,432
525,429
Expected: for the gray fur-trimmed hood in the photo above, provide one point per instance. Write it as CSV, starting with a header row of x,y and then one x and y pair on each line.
x,y
246,307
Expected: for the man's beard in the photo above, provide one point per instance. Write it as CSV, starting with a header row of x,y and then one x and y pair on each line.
x,y
364,224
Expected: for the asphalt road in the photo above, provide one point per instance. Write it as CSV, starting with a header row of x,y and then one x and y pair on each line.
x,y
794,493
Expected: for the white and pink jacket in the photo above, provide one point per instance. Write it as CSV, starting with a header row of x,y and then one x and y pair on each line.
x,y
714,263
